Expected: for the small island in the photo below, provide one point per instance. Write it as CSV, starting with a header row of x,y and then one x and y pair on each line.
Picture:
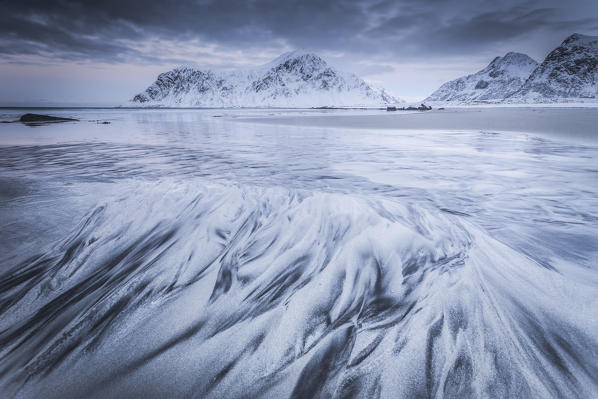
x,y
422,107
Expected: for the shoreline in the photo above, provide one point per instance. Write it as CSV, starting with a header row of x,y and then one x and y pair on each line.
x,y
435,106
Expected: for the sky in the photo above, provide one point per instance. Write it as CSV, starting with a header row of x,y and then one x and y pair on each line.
x,y
104,52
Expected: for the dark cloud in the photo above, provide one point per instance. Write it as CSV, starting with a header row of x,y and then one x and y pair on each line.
x,y
144,32
112,31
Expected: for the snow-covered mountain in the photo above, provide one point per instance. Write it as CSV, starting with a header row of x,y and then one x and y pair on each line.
x,y
296,79
569,73
500,79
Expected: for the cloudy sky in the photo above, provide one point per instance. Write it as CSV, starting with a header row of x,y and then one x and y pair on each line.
x,y
103,52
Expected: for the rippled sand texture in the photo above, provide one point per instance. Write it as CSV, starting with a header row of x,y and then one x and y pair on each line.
x,y
222,259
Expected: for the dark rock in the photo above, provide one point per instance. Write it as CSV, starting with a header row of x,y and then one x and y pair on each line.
x,y
422,107
37,118
482,84
140,98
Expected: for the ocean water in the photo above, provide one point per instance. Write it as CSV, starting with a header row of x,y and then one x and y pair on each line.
x,y
245,253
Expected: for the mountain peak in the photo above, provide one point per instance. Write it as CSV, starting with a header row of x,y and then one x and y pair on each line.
x,y
512,56
300,53
578,39
296,55
516,63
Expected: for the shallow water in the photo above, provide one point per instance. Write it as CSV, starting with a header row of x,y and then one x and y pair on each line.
x,y
195,253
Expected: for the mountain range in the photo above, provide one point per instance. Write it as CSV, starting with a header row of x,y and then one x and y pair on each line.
x,y
302,79
295,79
568,74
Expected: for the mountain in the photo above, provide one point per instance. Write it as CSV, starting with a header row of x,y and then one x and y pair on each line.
x,y
569,73
500,79
296,79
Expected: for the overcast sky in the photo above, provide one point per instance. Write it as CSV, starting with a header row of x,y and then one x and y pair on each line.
x,y
104,52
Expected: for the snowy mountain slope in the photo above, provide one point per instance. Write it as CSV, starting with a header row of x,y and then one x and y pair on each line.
x,y
569,72
501,78
296,79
